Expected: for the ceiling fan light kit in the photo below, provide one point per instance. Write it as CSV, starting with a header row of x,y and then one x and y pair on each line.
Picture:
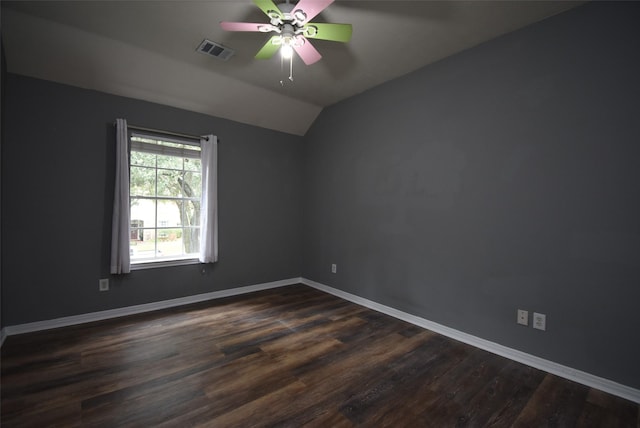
x,y
291,23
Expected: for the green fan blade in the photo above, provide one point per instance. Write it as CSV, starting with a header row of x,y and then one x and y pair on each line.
x,y
268,49
333,32
268,7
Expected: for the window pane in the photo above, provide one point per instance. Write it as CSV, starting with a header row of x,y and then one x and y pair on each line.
x,y
169,183
169,213
166,234
192,184
137,235
172,162
143,213
145,159
144,248
191,240
192,164
191,213
169,242
142,181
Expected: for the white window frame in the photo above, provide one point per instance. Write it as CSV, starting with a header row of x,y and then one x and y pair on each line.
x,y
170,151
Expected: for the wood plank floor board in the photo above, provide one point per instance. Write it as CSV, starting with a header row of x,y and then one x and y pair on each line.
x,y
415,375
556,402
286,357
332,419
419,367
120,376
504,397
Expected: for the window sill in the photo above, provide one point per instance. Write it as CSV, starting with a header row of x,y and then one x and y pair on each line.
x,y
152,264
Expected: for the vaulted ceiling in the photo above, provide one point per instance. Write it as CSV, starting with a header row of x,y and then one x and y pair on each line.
x,y
147,50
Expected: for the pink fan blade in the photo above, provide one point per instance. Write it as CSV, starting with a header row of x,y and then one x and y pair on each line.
x,y
310,8
246,26
307,52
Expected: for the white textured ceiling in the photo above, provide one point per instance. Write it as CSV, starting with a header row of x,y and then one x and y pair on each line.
x,y
147,50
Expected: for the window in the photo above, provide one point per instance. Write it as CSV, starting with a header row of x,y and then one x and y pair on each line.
x,y
165,189
165,200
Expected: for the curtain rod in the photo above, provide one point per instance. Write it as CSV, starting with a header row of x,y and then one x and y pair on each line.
x,y
174,134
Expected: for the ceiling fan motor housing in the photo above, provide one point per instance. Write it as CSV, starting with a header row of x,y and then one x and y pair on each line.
x,y
287,18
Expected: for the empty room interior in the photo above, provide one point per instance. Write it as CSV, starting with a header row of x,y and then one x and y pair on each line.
x,y
318,213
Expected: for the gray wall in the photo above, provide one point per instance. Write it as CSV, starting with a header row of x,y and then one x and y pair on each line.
x,y
57,166
504,177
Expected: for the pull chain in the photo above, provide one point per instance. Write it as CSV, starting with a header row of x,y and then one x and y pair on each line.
x,y
281,70
290,69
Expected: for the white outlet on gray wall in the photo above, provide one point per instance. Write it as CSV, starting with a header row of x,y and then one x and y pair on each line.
x,y
539,321
523,317
103,284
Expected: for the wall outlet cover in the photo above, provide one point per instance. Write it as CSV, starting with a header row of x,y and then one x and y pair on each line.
x,y
103,284
523,317
539,321
334,268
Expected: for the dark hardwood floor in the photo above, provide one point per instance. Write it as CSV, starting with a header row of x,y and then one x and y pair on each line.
x,y
287,357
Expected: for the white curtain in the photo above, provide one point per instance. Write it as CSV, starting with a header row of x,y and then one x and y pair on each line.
x,y
209,206
120,262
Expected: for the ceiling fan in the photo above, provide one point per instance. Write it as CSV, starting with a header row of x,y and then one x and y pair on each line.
x,y
291,23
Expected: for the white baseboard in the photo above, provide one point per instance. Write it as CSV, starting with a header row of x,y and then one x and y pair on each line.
x,y
575,375
138,309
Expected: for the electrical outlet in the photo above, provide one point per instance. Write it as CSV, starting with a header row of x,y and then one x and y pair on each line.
x,y
334,268
523,317
539,321
103,284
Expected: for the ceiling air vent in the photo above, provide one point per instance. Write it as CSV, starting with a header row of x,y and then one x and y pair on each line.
x,y
216,50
